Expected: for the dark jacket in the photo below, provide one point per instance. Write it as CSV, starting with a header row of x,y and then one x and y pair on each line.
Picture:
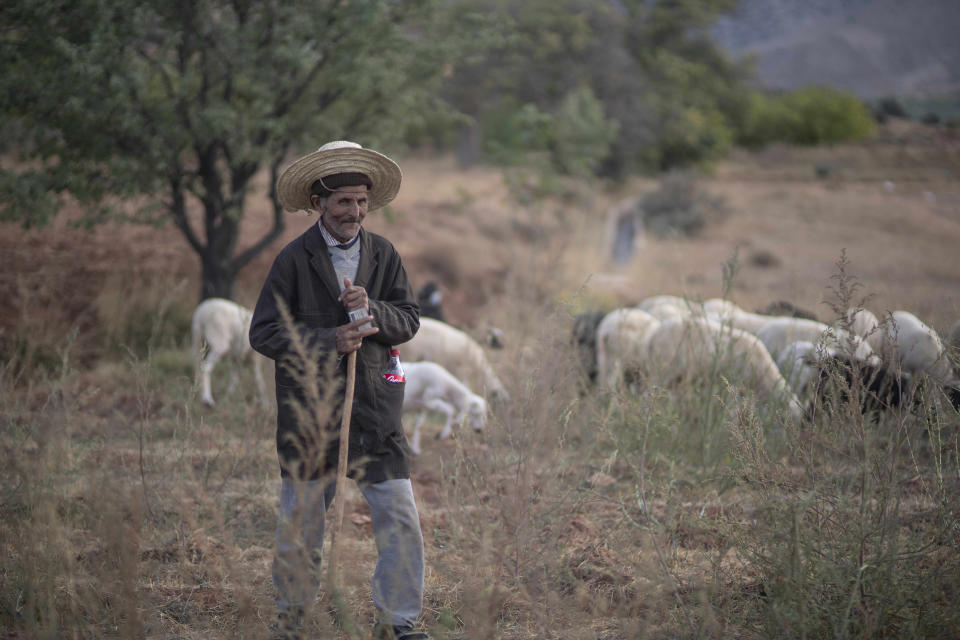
x,y
302,276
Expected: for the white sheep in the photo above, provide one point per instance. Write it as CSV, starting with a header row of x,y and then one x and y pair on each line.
x,y
457,352
685,346
727,313
918,348
221,328
430,387
779,332
807,364
865,324
621,344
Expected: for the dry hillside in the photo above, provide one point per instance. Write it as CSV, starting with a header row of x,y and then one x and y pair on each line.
x,y
892,204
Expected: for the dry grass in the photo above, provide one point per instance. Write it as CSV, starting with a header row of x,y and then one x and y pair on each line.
x,y
130,510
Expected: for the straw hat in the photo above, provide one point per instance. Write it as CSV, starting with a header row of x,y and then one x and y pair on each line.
x,y
340,156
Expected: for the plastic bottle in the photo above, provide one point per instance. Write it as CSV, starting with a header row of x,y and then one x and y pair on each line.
x,y
394,372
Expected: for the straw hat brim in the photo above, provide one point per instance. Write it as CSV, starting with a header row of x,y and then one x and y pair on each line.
x,y
293,185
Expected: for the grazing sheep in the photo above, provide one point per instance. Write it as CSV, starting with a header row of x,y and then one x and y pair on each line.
x,y
430,387
653,301
621,345
682,347
221,328
918,348
584,332
780,332
456,351
812,368
665,310
864,323
728,313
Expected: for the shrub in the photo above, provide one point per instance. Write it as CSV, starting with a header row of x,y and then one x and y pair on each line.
x,y
581,135
694,136
809,116
679,206
513,130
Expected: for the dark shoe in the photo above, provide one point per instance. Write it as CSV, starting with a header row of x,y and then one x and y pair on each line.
x,y
398,632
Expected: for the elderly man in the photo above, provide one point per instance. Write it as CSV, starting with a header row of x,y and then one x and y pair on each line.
x,y
345,290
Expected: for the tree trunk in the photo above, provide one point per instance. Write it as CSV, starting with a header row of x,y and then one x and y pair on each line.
x,y
218,277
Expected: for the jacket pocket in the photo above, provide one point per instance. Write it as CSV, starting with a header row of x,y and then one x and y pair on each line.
x,y
379,404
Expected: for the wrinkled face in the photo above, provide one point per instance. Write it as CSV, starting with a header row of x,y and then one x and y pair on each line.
x,y
343,211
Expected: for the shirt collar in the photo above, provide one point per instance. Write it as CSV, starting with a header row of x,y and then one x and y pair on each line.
x,y
333,242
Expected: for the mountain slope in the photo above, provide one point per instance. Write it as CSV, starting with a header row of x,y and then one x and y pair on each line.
x,y
871,47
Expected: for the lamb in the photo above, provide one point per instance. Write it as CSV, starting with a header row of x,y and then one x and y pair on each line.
x,y
622,337
685,346
430,387
456,351
221,328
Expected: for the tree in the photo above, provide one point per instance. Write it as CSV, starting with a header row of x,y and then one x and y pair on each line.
x,y
148,110
670,93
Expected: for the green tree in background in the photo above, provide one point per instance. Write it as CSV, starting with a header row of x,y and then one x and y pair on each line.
x,y
167,109
660,83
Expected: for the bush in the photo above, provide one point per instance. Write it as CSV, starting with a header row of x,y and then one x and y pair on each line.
x,y
809,116
694,136
581,135
679,206
513,130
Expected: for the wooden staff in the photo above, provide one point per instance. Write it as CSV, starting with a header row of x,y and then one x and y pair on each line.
x,y
332,568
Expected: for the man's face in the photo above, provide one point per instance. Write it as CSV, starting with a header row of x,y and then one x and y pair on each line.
x,y
344,211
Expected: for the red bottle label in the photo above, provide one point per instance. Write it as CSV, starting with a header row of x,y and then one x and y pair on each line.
x,y
394,377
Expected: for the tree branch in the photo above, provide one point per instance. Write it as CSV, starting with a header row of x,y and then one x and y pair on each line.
x,y
178,210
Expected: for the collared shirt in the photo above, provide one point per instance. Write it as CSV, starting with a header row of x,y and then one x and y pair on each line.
x,y
333,242
344,256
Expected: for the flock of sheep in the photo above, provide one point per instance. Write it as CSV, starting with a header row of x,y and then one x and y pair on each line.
x,y
664,340
668,338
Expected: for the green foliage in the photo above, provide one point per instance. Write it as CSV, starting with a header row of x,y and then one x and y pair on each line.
x,y
810,116
666,95
182,104
512,131
581,134
572,141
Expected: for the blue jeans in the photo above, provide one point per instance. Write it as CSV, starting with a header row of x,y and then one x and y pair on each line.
x,y
397,584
